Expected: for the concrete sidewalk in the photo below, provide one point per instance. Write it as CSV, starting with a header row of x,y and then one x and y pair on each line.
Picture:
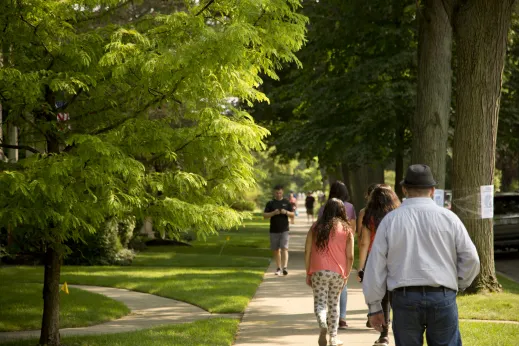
x,y
281,312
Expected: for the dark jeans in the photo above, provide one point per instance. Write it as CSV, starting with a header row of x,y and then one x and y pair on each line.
x,y
434,313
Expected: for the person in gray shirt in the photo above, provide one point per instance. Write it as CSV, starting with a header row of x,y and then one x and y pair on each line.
x,y
423,254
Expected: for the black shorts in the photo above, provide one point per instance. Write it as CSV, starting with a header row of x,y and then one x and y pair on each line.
x,y
310,211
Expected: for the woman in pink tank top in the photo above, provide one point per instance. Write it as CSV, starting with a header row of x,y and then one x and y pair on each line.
x,y
328,260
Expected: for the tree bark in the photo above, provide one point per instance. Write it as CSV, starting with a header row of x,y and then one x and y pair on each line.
x,y
51,300
12,139
50,320
399,161
481,28
431,120
361,179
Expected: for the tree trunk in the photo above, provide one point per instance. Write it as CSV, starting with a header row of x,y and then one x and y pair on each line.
x,y
399,161
50,320
399,173
51,300
481,28
509,170
431,120
361,179
12,139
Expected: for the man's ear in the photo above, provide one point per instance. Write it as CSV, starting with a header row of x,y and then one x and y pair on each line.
x,y
432,192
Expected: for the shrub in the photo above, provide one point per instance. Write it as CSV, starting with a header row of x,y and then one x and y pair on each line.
x,y
104,247
244,205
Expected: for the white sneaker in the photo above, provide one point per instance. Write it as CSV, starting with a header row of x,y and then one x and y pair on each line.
x,y
335,342
278,272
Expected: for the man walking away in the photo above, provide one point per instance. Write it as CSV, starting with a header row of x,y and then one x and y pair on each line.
x,y
424,255
309,205
278,211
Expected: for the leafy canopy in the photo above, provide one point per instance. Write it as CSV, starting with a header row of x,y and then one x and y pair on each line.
x,y
152,89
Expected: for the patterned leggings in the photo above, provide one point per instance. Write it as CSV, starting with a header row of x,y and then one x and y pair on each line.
x,y
327,286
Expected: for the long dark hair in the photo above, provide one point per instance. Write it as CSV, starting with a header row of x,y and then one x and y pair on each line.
x,y
381,201
339,190
334,212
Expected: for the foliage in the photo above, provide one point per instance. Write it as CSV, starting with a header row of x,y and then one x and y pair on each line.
x,y
508,131
352,100
22,304
106,246
152,131
294,175
244,205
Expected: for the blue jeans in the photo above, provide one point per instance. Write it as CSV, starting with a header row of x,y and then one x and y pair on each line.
x,y
435,313
343,301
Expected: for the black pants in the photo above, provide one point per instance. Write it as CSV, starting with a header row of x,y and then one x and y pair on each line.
x,y
386,308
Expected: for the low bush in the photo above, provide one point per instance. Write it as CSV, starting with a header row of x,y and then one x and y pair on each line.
x,y
105,247
244,205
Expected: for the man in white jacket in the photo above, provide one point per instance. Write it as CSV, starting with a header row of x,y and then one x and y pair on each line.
x,y
423,254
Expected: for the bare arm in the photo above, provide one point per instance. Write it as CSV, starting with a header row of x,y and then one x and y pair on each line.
x,y
364,246
308,249
359,223
353,226
350,246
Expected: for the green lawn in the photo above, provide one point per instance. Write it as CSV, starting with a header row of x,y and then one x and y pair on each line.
x,y
502,306
489,334
22,306
214,332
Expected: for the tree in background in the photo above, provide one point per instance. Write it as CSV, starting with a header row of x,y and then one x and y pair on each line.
x,y
351,103
153,131
294,175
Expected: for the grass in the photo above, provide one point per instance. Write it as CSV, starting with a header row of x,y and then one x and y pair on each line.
x,y
22,307
214,332
485,334
195,274
501,306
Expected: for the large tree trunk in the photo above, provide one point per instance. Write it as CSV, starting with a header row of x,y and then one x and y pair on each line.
x,y
360,179
50,320
431,120
481,28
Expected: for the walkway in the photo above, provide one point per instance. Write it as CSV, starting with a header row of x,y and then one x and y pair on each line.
x,y
147,311
281,312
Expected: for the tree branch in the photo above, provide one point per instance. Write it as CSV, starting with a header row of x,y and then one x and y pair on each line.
x,y
26,147
31,124
205,7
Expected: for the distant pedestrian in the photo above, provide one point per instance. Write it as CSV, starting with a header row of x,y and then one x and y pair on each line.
x,y
382,200
328,261
423,254
293,201
309,205
278,210
340,191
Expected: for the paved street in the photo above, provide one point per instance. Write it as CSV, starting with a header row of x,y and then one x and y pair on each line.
x,y
508,263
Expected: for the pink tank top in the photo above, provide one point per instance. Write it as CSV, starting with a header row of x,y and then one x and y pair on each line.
x,y
334,257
